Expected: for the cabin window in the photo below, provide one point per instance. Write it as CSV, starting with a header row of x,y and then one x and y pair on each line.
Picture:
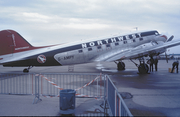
x,y
107,45
125,42
140,39
130,36
80,51
89,49
133,40
116,44
98,47
124,38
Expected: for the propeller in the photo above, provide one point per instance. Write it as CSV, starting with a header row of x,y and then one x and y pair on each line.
x,y
170,39
166,57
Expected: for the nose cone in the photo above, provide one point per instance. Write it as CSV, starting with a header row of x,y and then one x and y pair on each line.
x,y
164,36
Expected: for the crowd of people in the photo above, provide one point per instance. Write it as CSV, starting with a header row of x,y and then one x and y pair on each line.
x,y
154,61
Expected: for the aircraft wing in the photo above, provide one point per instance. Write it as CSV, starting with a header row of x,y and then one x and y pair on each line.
x,y
142,51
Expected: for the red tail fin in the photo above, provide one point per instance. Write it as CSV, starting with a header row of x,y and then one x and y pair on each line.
x,y
12,42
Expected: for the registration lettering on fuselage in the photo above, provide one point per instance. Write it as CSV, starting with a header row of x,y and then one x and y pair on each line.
x,y
65,58
111,40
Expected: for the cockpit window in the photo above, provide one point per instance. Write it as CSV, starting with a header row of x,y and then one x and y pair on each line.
x,y
156,33
149,33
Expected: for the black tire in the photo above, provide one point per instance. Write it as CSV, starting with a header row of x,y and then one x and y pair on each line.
x,y
121,66
25,70
142,69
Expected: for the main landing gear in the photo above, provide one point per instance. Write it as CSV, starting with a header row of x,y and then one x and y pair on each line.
x,y
120,65
142,67
26,70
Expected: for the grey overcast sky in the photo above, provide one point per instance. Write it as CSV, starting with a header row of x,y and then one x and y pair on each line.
x,y
48,22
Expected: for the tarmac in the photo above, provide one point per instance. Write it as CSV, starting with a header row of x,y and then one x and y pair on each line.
x,y
153,94
18,105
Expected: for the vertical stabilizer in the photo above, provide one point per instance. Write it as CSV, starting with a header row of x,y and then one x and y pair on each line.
x,y
12,42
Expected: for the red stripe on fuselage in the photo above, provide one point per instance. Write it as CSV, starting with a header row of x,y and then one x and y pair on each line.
x,y
27,48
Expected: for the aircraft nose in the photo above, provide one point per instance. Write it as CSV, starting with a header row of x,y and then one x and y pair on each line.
x,y
164,36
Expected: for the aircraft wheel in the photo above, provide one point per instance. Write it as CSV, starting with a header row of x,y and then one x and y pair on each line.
x,y
25,70
121,66
143,69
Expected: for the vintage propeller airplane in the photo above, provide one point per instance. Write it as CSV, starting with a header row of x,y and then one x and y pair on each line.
x,y
15,51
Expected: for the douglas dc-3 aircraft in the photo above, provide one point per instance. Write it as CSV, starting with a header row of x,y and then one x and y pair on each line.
x,y
15,51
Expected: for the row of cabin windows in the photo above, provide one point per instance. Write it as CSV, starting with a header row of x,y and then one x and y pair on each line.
x,y
108,45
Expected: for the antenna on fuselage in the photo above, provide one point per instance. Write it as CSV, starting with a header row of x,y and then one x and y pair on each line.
x,y
136,28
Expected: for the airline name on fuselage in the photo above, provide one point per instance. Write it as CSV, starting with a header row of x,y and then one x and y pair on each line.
x,y
111,40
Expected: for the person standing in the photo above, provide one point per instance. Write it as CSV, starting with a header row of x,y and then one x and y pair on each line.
x,y
151,64
175,64
156,62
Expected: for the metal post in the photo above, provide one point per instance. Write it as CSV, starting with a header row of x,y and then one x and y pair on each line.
x,y
105,86
37,89
97,87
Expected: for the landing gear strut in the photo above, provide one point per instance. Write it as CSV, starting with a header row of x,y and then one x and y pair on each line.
x,y
120,65
26,70
142,67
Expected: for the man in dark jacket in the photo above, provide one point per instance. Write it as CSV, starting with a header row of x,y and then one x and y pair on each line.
x,y
151,64
156,62
175,64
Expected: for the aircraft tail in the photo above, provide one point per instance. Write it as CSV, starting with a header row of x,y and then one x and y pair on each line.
x,y
12,42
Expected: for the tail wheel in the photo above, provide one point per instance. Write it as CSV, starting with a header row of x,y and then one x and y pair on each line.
x,y
121,66
25,70
143,68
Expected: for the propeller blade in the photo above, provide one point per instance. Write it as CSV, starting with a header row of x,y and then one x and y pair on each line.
x,y
166,57
170,39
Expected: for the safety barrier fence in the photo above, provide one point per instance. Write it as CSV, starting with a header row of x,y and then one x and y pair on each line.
x,y
17,83
86,85
114,100
96,86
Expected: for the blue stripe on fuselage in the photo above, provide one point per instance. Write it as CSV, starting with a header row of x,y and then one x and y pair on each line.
x,y
50,55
